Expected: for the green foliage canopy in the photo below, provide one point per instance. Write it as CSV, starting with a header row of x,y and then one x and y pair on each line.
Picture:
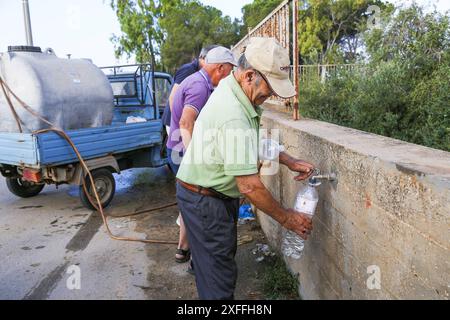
x,y
141,34
329,29
253,13
175,30
402,92
189,26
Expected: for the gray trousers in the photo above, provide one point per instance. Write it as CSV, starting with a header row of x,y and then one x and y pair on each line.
x,y
211,225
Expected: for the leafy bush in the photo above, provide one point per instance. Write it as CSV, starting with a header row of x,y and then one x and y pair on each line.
x,y
431,110
402,92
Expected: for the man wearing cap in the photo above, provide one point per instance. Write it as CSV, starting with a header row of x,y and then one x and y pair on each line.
x,y
188,101
182,73
211,178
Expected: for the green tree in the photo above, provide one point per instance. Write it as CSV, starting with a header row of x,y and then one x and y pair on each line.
x,y
190,26
419,43
175,30
138,22
329,29
255,12
403,91
418,39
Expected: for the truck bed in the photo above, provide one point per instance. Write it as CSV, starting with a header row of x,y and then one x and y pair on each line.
x,y
49,149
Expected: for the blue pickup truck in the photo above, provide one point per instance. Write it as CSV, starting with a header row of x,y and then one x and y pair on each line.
x,y
30,161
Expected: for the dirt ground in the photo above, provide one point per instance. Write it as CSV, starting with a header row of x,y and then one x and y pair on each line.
x,y
177,283
42,237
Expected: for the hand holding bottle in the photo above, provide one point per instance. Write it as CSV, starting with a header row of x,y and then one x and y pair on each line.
x,y
298,222
305,207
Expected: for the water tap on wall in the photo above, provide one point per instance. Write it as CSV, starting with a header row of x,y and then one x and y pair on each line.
x,y
318,176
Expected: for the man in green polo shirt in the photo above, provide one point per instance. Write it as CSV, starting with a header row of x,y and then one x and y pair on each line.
x,y
221,164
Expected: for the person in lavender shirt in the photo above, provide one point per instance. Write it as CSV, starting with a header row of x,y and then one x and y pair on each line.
x,y
188,101
182,73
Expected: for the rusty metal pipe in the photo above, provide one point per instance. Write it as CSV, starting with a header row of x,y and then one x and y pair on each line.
x,y
295,59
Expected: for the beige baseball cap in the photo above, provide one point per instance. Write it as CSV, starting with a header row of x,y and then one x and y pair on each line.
x,y
268,57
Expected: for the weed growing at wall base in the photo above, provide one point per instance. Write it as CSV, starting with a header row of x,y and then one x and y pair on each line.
x,y
278,282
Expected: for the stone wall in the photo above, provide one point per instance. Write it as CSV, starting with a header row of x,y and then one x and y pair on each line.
x,y
388,214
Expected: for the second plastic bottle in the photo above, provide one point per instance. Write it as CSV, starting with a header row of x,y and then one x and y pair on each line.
x,y
305,202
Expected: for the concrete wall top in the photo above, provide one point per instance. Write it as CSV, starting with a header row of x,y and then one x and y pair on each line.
x,y
411,158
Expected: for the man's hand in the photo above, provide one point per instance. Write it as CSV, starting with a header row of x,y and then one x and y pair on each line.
x,y
304,168
299,223
255,191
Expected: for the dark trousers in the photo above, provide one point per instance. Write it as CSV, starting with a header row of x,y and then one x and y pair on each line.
x,y
211,225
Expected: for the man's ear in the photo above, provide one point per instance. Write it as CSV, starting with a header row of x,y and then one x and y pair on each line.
x,y
221,68
249,76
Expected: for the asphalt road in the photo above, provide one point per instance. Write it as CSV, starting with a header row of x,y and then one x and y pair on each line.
x,y
43,238
51,247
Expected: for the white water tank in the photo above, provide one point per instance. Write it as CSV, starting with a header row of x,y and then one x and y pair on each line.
x,y
70,93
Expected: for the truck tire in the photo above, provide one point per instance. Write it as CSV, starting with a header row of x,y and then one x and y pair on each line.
x,y
106,188
22,188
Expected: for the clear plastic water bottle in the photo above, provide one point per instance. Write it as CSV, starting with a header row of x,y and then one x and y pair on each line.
x,y
269,149
306,202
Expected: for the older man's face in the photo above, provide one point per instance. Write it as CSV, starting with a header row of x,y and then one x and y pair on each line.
x,y
254,86
262,90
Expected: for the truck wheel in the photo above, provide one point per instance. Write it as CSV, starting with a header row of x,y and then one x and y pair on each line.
x,y
105,186
23,188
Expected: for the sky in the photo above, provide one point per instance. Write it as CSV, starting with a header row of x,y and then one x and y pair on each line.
x,y
83,28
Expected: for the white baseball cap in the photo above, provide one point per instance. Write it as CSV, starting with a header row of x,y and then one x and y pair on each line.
x,y
220,55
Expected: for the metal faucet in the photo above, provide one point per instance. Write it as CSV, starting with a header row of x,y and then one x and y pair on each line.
x,y
318,176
